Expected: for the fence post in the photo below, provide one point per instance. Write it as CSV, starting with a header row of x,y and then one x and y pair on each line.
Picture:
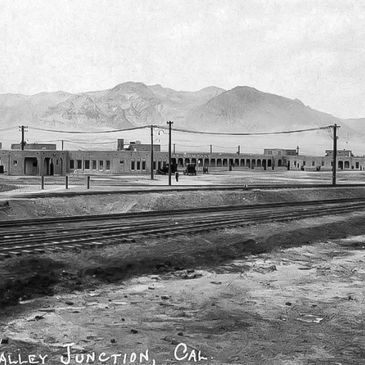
x,y
42,182
88,182
66,181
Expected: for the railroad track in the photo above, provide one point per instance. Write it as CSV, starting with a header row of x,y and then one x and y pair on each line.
x,y
20,237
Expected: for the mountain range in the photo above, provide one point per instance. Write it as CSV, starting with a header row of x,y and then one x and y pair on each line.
x,y
131,104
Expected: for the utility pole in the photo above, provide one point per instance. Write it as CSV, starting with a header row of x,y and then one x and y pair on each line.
x,y
169,123
23,129
174,148
211,149
334,163
151,152
238,149
62,145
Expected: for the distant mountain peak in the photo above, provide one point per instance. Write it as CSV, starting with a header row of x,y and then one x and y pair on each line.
x,y
129,85
135,103
245,88
212,88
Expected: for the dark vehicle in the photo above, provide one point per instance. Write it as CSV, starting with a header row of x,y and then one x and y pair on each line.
x,y
164,170
190,169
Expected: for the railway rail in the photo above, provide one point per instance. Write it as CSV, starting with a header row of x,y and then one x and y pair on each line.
x,y
32,236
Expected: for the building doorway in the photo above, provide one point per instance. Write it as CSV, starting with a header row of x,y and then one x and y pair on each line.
x,y
48,167
30,166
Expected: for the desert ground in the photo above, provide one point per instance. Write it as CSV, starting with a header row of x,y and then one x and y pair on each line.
x,y
77,182
270,293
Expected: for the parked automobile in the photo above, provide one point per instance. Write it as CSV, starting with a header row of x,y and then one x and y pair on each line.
x,y
190,169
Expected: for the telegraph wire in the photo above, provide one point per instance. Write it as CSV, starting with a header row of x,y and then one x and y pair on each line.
x,y
188,131
7,129
247,133
89,132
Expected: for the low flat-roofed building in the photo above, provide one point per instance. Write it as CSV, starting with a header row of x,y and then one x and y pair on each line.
x,y
281,151
35,146
340,153
134,161
138,146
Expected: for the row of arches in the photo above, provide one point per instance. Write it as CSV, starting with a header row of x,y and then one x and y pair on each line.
x,y
226,162
46,166
346,165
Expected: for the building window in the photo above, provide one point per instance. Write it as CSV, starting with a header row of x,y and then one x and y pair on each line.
x,y
87,164
143,165
154,165
94,164
138,165
107,163
313,163
132,165
357,165
322,163
79,164
303,163
15,162
101,165
72,164
122,162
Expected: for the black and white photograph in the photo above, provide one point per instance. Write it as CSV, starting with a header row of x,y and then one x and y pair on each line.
x,y
182,182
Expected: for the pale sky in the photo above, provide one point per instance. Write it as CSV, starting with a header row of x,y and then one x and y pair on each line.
x,y
305,49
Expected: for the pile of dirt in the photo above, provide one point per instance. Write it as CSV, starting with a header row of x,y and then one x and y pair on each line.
x,y
21,208
27,277
7,187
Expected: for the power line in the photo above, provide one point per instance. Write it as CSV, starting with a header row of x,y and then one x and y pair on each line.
x,y
189,131
247,134
6,129
96,132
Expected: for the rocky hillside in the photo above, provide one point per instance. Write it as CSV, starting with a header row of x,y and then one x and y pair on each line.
x,y
249,109
133,104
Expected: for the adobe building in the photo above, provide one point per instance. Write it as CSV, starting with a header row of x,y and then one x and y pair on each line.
x,y
42,159
345,161
33,162
35,146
